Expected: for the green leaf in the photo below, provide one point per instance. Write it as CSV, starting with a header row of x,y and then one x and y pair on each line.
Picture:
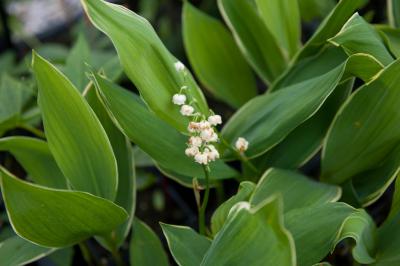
x,y
253,236
218,218
216,59
266,120
391,38
16,251
315,9
393,11
297,190
329,27
143,128
35,157
145,248
56,218
186,246
126,192
282,18
145,60
62,257
257,43
357,36
142,159
365,117
76,138
76,62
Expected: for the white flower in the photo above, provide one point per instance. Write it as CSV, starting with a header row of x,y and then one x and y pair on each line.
x,y
179,66
187,110
192,151
193,127
209,135
179,99
213,154
241,144
215,120
201,158
195,141
203,125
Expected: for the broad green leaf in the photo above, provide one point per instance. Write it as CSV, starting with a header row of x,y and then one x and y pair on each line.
x,y
75,65
17,251
142,159
282,18
146,248
268,119
62,257
315,9
253,236
35,157
143,128
297,190
186,246
76,138
218,218
145,60
126,192
216,59
61,217
361,228
357,36
257,43
364,117
329,27
393,11
315,229
392,39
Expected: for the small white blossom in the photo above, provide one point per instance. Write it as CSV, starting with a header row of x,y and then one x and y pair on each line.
x,y
203,125
201,158
179,66
192,151
179,99
187,110
195,141
213,154
193,127
209,135
241,144
215,120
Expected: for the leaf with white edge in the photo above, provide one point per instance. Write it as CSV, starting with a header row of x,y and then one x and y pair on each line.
x,y
391,38
143,128
146,61
61,217
16,251
126,192
255,40
35,157
357,36
282,18
297,190
393,11
75,136
217,62
253,236
186,246
364,117
218,218
146,248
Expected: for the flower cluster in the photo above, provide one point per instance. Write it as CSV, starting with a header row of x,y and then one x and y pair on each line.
x,y
201,128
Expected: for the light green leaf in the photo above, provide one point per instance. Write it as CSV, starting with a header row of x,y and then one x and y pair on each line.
x,y
253,236
126,192
145,248
186,246
61,217
218,218
16,251
143,128
297,190
329,27
35,157
393,11
357,36
364,117
257,43
216,59
282,18
76,138
145,60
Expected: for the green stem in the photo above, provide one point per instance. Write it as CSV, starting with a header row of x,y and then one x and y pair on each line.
x,y
202,210
86,253
33,130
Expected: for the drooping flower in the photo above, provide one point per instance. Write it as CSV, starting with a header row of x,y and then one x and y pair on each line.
x,y
195,141
241,144
208,135
201,158
215,120
187,110
179,66
213,154
192,151
179,99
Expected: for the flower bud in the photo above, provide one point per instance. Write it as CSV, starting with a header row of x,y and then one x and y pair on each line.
x,y
215,120
201,158
241,144
179,99
179,66
192,151
187,110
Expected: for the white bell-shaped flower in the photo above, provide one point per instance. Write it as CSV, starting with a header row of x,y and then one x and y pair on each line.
x,y
241,144
215,120
179,99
